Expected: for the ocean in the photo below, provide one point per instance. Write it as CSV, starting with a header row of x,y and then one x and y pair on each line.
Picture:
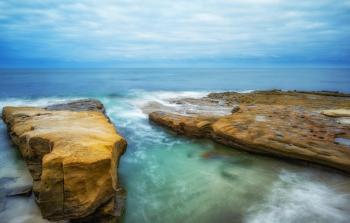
x,y
169,178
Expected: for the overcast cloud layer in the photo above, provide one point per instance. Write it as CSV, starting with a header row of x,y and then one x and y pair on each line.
x,y
141,32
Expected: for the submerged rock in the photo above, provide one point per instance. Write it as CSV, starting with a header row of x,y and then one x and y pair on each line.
x,y
72,151
235,109
282,124
25,190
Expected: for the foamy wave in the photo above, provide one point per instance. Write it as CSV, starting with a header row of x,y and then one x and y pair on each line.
x,y
246,91
296,198
131,106
41,102
146,102
169,94
126,113
163,97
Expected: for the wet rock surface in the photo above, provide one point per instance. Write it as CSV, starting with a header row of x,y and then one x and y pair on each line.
x,y
25,190
276,123
79,105
72,152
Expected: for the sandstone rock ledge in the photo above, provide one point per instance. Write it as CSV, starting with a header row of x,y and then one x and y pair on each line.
x,y
297,125
72,151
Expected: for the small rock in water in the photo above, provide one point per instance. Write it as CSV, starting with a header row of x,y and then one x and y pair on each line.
x,y
228,176
20,191
235,109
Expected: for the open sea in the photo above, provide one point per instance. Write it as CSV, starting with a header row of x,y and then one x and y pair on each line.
x,y
169,178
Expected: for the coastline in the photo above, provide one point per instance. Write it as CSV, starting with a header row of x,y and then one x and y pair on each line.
x,y
161,161
288,124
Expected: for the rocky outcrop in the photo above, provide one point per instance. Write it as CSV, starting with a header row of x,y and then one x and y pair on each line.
x,y
72,151
281,124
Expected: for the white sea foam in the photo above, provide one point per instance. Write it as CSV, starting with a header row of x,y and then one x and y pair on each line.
x,y
146,102
129,110
163,97
163,100
297,198
130,107
41,102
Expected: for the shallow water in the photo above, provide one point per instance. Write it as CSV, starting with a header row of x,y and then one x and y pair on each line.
x,y
343,141
175,179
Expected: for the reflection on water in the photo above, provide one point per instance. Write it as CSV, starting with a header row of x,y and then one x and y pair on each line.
x,y
174,179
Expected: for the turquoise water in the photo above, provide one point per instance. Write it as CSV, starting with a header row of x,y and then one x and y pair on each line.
x,y
175,179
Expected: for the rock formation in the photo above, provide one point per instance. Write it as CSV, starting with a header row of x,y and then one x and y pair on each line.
x,y
72,151
281,124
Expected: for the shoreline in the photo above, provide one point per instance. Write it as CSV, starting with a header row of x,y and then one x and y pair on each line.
x,y
259,125
132,112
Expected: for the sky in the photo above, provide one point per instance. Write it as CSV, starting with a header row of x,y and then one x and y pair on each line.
x,y
161,33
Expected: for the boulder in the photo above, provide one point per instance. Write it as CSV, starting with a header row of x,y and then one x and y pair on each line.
x,y
72,151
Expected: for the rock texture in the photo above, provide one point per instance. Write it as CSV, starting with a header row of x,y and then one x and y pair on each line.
x,y
281,124
72,151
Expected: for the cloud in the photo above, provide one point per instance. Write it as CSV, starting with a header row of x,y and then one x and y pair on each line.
x,y
119,30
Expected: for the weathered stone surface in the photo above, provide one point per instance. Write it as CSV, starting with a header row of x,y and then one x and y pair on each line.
x,y
337,112
281,124
79,105
72,151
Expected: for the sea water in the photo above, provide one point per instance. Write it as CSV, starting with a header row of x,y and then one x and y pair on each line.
x,y
175,179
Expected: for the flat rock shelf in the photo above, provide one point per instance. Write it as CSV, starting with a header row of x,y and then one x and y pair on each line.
x,y
304,126
72,151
